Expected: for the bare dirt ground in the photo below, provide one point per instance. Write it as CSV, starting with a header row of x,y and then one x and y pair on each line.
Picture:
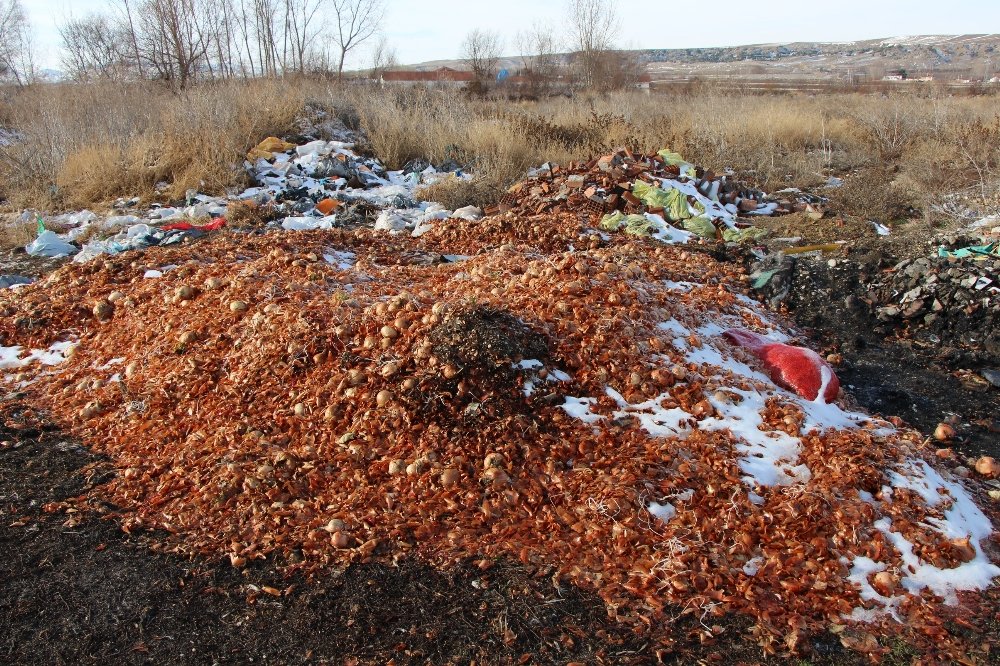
x,y
922,383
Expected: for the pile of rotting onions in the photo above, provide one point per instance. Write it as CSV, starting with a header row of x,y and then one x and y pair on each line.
x,y
318,398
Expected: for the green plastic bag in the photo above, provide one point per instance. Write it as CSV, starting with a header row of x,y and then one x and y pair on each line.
x,y
639,225
612,221
974,251
41,224
675,159
701,226
740,235
673,202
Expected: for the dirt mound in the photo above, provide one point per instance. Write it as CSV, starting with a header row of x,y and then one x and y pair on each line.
x,y
484,339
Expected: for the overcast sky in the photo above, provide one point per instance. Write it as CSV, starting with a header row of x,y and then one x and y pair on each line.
x,y
433,29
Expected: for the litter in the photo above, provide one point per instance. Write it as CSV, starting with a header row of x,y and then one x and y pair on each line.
x,y
795,368
978,252
49,244
268,147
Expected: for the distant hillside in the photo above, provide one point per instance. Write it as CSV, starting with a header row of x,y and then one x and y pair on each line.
x,y
940,57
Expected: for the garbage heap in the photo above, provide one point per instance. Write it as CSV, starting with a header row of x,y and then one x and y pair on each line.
x,y
318,184
525,387
659,194
953,298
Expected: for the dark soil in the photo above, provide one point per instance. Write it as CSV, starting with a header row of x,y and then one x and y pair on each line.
x,y
924,380
79,590
485,339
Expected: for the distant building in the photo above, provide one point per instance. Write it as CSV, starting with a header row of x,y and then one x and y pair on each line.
x,y
444,75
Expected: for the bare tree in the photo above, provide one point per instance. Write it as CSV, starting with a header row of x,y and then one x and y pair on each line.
x,y
383,57
265,17
16,60
356,21
594,26
539,49
174,38
299,29
128,26
481,49
92,48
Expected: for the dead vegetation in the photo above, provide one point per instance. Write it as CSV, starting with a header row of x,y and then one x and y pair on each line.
x,y
248,214
82,145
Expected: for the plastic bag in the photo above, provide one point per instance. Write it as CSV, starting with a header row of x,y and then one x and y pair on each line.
x,y
673,202
675,159
738,235
266,149
612,221
701,226
49,244
639,225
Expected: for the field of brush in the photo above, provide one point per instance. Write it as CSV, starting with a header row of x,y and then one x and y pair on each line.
x,y
74,146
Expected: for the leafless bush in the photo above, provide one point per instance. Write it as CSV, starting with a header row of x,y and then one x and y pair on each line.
x,y
16,62
481,51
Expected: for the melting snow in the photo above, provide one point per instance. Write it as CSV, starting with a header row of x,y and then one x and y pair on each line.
x,y
54,355
342,259
663,512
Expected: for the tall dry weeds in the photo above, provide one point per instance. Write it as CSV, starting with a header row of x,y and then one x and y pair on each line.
x,y
81,145
85,144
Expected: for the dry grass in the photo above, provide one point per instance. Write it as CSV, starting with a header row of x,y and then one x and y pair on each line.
x,y
14,234
82,145
915,148
87,144
249,214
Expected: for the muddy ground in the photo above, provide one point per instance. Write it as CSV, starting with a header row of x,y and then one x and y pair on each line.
x,y
80,590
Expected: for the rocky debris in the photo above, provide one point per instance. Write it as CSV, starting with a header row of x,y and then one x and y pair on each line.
x,y
956,301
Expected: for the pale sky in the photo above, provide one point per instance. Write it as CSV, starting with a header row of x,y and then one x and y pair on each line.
x,y
433,29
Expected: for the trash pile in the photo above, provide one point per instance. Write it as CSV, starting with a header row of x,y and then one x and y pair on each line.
x,y
954,298
658,195
317,185
523,386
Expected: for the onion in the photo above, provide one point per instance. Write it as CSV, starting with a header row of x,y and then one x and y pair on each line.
x,y
104,310
987,466
449,477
